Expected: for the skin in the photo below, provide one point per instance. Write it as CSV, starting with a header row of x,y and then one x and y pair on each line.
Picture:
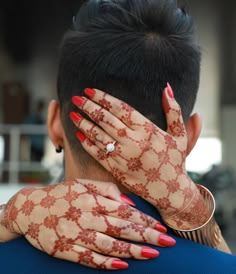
x,y
74,221
156,173
55,218
164,182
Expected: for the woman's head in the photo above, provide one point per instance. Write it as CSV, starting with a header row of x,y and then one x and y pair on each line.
x,y
130,49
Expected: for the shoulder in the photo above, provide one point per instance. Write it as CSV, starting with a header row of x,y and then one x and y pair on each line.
x,y
185,257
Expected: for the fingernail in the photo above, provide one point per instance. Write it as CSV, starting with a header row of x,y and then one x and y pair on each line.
x,y
75,117
170,91
90,92
119,264
127,200
78,101
81,136
165,240
149,253
160,228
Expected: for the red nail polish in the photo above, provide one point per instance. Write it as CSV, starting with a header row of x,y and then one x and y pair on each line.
x,y
78,101
170,91
81,136
127,200
149,253
117,264
165,240
160,228
75,117
90,92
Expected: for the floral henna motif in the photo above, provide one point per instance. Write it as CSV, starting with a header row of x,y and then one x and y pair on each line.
x,y
122,132
97,115
87,237
106,104
91,133
124,212
134,164
121,248
27,208
51,222
11,213
85,257
73,214
177,128
62,244
33,231
151,162
113,230
46,215
48,202
150,128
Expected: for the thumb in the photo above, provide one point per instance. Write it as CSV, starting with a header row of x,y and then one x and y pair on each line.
x,y
174,119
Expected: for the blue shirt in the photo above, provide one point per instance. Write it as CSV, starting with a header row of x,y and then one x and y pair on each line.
x,y
19,257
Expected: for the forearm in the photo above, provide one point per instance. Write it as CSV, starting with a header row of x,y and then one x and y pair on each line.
x,y
5,234
223,246
179,202
187,208
191,211
198,216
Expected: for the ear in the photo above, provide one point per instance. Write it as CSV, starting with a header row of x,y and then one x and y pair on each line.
x,y
55,128
193,129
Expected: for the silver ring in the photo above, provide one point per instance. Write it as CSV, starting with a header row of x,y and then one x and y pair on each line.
x,y
110,147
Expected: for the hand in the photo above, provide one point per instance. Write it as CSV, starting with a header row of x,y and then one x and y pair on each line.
x,y
77,220
147,160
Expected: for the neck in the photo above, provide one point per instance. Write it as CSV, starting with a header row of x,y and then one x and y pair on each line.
x,y
92,171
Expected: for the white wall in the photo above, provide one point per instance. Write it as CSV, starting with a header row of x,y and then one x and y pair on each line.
x,y
208,99
228,133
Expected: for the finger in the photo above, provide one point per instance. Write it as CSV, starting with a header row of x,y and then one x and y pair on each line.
x,y
87,257
118,108
102,206
107,245
95,134
101,116
119,228
175,123
125,113
106,189
100,155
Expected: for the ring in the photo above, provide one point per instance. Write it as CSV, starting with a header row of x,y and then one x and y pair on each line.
x,y
110,147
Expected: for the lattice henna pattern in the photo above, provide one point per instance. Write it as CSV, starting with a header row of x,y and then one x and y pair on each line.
x,y
60,220
147,160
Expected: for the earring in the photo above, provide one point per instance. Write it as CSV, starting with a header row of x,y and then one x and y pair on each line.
x,y
59,149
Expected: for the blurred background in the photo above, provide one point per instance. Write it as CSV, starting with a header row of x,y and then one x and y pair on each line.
x,y
30,33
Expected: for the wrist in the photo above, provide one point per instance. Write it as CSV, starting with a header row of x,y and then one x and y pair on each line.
x,y
202,230
196,214
9,214
187,208
177,196
5,233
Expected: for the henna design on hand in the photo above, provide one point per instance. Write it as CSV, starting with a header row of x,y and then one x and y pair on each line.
x,y
147,160
73,222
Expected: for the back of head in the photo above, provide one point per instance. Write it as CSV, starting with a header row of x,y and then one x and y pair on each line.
x,y
130,49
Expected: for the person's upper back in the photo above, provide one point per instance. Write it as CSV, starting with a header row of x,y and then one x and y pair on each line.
x,y
19,257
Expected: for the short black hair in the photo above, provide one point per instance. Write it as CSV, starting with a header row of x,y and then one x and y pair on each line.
x,y
130,49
